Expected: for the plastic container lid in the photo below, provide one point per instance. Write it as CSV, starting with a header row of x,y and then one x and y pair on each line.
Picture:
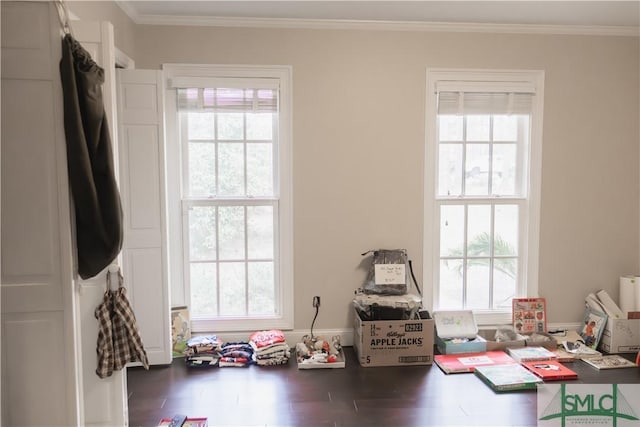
x,y
455,324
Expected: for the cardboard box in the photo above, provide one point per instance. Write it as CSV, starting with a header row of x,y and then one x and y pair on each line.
x,y
453,346
492,345
457,332
621,336
393,342
550,343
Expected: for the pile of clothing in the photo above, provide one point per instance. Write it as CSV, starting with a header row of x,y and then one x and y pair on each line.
x,y
235,354
203,351
269,348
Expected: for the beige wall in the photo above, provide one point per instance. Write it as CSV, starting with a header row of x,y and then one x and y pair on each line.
x,y
123,26
358,134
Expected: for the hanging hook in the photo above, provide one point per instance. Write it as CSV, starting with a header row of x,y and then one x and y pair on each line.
x,y
63,15
113,269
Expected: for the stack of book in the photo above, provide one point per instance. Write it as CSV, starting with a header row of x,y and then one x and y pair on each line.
x,y
521,369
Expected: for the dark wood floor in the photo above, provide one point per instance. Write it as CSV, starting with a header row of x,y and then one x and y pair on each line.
x,y
354,396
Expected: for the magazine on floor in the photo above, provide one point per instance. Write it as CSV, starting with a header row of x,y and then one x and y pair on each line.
x,y
466,362
612,361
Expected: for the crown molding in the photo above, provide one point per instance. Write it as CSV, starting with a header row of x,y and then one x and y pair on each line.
x,y
343,24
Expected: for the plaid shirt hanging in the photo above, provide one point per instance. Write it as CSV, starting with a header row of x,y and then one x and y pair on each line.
x,y
118,338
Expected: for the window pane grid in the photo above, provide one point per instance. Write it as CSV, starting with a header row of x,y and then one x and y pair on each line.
x,y
491,154
229,154
228,172
481,257
222,264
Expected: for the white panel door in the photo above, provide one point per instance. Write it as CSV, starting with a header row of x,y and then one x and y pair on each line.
x,y
140,115
105,400
40,368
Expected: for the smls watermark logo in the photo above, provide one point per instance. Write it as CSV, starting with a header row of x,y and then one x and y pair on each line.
x,y
589,405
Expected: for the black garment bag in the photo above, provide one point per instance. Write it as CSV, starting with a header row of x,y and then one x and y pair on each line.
x,y
98,210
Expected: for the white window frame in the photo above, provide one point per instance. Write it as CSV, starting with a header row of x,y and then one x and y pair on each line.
x,y
180,74
530,229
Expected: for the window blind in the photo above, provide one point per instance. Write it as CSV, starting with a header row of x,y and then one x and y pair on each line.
x,y
472,98
227,99
484,103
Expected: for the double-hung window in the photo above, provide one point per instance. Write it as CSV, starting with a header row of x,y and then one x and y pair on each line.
x,y
482,189
231,136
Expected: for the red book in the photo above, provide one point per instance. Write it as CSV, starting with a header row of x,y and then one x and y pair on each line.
x,y
550,370
466,362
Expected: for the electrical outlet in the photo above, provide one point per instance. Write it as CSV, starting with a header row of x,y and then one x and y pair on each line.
x,y
316,301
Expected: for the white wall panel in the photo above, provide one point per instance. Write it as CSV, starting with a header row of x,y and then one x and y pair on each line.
x,y
144,273
105,400
40,367
26,41
142,189
33,347
29,213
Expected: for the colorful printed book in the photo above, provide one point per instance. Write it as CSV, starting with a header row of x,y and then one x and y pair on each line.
x,y
612,361
592,327
466,362
550,370
510,377
529,315
528,354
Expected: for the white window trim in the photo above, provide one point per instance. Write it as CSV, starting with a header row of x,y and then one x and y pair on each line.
x,y
533,79
180,292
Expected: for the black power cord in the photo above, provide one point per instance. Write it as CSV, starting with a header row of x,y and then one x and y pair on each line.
x,y
314,321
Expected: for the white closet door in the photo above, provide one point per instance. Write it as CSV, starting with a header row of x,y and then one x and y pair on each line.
x,y
40,371
142,177
105,400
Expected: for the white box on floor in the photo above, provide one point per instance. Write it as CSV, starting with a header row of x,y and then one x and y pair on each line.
x,y
393,342
457,332
621,336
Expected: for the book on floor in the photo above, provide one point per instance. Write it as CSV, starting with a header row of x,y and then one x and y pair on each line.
x,y
466,362
612,361
184,422
527,354
510,377
550,370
